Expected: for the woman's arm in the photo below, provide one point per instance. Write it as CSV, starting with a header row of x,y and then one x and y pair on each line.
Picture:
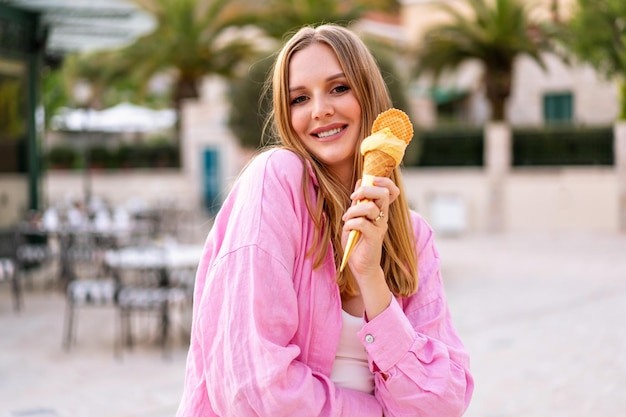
x,y
421,366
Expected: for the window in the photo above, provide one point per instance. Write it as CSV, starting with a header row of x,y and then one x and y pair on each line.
x,y
558,108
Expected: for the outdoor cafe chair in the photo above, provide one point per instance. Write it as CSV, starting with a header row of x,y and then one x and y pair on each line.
x,y
8,268
146,281
33,251
82,293
8,274
145,300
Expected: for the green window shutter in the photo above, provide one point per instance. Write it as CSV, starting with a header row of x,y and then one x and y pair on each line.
x,y
558,108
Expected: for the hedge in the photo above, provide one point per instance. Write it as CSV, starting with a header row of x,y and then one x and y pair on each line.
x,y
531,147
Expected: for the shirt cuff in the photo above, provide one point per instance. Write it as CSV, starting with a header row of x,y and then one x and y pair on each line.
x,y
388,337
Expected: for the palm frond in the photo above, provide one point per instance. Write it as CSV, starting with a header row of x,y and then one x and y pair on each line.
x,y
494,33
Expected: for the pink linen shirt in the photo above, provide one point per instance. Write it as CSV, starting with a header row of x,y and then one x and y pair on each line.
x,y
266,325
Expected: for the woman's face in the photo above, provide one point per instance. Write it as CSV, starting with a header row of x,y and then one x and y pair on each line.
x,y
325,113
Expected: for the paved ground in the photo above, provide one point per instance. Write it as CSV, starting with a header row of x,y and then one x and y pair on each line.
x,y
543,319
541,316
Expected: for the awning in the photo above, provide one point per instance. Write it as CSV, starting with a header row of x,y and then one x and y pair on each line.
x,y
80,25
447,95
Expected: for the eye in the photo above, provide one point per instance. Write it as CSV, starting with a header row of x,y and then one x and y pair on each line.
x,y
299,99
341,89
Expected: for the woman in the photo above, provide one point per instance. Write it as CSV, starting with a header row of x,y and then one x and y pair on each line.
x,y
276,330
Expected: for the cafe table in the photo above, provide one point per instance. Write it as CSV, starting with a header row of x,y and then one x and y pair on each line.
x,y
163,260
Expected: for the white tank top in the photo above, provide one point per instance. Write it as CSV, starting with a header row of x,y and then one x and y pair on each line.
x,y
350,369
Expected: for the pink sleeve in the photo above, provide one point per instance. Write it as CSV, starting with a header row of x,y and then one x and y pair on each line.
x,y
421,366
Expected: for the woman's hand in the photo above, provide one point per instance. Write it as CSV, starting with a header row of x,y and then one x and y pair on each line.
x,y
369,215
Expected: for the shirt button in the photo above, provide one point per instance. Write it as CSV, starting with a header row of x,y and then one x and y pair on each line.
x,y
369,338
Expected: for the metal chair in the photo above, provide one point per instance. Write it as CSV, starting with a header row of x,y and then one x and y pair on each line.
x,y
32,250
8,268
8,274
86,293
158,300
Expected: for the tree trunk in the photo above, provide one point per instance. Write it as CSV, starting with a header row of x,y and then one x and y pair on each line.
x,y
186,88
622,101
498,86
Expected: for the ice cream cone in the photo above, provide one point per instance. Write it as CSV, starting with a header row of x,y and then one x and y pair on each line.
x,y
383,151
378,164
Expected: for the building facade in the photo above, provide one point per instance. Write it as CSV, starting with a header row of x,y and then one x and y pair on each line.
x,y
562,93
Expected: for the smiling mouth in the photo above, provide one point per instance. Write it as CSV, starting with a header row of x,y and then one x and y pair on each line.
x,y
330,132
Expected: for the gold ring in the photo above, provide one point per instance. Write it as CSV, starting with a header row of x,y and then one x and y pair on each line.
x,y
380,216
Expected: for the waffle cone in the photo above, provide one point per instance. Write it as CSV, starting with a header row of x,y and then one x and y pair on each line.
x,y
378,164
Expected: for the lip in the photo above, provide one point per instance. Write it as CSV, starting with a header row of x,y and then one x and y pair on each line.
x,y
316,132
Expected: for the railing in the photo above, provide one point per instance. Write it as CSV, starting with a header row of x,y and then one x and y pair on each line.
x,y
126,156
563,147
531,147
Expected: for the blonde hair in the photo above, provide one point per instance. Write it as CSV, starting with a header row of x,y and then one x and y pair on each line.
x,y
399,261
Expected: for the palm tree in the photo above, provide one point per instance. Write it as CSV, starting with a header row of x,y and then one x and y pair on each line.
x,y
192,39
278,17
495,34
101,74
596,34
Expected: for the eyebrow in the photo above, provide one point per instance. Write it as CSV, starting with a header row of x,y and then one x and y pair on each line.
x,y
331,78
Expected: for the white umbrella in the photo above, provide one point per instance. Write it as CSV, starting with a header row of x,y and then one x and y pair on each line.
x,y
125,117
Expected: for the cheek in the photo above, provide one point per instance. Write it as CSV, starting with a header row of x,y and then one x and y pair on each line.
x,y
298,122
356,108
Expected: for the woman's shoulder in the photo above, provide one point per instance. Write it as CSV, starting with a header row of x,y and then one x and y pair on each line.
x,y
277,159
278,164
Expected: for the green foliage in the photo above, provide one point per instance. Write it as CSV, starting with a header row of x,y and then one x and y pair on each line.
x,y
54,93
250,107
279,17
387,6
450,147
531,147
102,157
563,146
191,40
495,33
596,34
125,156
62,157
12,105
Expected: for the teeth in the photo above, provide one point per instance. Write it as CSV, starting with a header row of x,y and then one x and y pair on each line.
x,y
329,133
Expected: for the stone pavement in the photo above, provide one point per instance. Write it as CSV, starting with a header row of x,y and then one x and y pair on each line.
x,y
542,317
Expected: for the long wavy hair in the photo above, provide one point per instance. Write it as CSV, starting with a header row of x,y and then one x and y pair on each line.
x,y
399,260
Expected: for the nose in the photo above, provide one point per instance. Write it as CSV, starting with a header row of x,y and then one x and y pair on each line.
x,y
322,108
